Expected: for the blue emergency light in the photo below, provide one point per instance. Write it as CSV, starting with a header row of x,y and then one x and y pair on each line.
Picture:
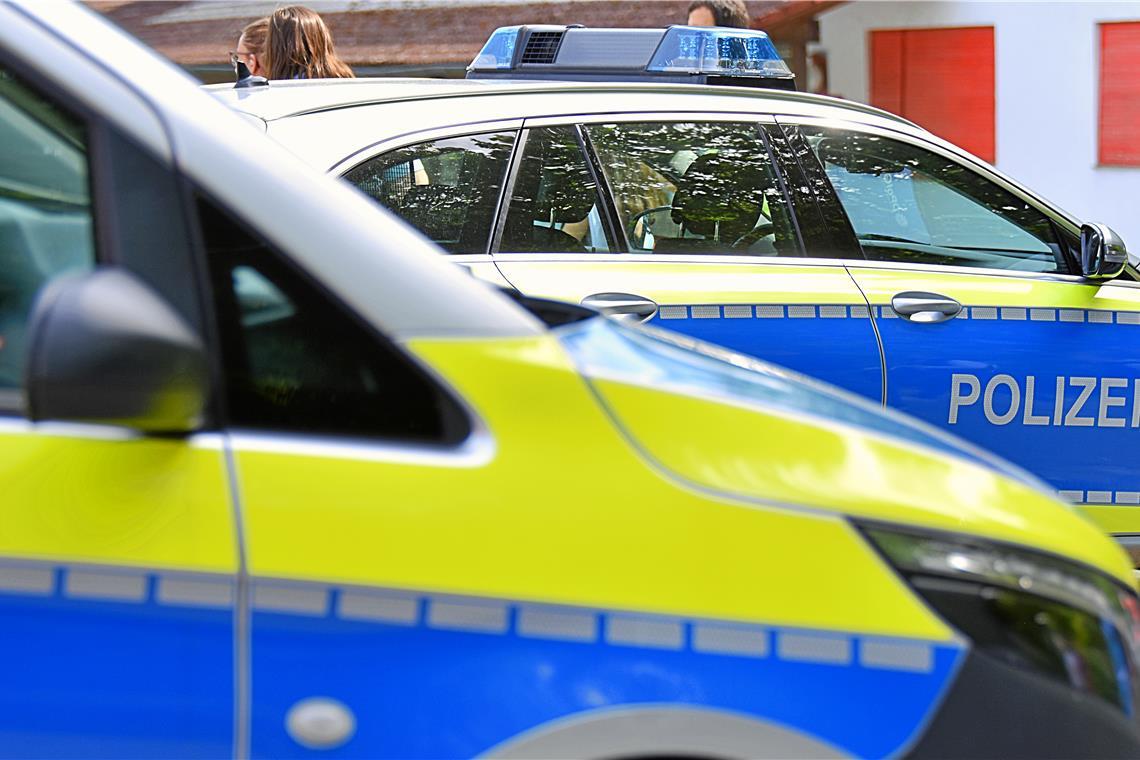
x,y
690,54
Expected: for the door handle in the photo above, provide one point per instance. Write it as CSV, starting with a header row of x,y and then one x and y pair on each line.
x,y
928,308
625,307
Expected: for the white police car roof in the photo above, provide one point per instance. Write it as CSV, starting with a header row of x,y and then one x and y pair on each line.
x,y
285,98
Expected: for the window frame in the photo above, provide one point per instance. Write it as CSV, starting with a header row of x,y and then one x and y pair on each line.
x,y
475,442
1063,224
579,121
12,404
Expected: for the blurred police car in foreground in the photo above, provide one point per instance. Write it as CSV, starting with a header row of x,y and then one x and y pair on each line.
x,y
826,236
276,479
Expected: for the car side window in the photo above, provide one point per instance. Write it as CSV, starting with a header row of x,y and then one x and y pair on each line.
x,y
295,360
448,189
707,188
46,217
555,206
912,205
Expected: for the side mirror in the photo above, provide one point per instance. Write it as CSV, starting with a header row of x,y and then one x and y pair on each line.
x,y
105,348
1103,254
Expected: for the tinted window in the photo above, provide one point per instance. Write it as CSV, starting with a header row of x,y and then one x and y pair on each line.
x,y
448,189
695,188
45,213
295,360
554,204
908,204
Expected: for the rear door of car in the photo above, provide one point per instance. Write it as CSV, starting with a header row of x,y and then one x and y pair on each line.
x,y
987,331
694,223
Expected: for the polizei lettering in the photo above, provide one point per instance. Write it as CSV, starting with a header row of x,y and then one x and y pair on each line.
x,y
1107,402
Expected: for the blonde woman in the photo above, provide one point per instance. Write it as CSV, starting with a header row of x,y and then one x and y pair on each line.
x,y
299,46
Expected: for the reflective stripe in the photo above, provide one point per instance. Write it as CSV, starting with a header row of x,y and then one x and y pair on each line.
x,y
1101,498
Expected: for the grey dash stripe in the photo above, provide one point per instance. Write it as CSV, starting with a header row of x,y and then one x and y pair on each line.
x,y
674,312
468,616
375,605
736,311
833,312
705,312
1043,315
645,632
27,580
1099,497
800,311
196,592
886,312
89,584
860,312
983,312
804,647
1128,317
298,600
891,655
1014,313
1100,317
769,310
1128,497
1075,497
745,641
565,624
1071,315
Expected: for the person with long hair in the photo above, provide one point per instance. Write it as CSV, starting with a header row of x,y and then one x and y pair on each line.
x,y
299,46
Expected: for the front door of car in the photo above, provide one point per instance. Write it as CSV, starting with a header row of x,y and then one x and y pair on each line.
x,y
685,224
986,331
118,556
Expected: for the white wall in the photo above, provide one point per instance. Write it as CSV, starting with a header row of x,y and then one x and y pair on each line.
x,y
1047,61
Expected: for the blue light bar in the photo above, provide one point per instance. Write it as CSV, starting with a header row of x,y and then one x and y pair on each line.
x,y
717,51
499,50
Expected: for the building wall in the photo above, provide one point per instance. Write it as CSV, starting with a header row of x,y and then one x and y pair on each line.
x,y
1047,69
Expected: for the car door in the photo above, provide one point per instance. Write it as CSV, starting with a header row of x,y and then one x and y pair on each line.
x,y
118,555
687,224
986,330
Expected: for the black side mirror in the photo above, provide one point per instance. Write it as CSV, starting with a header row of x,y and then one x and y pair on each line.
x,y
1103,254
104,348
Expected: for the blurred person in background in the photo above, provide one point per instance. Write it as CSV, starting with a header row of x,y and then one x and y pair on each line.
x,y
251,48
299,46
719,13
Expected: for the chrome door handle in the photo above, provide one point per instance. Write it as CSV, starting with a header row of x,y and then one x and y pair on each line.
x,y
622,306
917,306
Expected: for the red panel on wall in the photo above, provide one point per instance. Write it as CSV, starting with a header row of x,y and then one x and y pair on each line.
x,y
1118,134
942,79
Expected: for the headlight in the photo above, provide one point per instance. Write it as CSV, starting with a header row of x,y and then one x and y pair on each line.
x,y
1035,611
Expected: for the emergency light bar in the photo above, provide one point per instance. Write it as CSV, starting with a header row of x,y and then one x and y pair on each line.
x,y
690,54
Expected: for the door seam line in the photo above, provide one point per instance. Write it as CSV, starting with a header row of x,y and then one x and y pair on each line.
x,y
242,630
878,335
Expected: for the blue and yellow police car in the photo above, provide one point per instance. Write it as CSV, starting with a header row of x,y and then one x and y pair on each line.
x,y
277,480
612,167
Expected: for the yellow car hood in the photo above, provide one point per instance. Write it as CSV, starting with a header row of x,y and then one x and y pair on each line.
x,y
721,422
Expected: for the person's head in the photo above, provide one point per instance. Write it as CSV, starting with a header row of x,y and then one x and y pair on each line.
x,y
251,47
719,13
300,46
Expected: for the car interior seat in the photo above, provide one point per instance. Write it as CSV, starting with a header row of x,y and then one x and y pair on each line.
x,y
719,198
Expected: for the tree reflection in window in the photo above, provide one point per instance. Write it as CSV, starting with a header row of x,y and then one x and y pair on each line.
x,y
448,189
695,187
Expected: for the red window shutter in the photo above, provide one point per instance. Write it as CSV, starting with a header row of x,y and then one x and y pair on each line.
x,y
1118,133
942,79
887,70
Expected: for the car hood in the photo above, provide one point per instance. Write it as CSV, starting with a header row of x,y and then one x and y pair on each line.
x,y
722,422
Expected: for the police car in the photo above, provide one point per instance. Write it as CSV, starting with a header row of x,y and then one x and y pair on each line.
x,y
827,236
277,480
